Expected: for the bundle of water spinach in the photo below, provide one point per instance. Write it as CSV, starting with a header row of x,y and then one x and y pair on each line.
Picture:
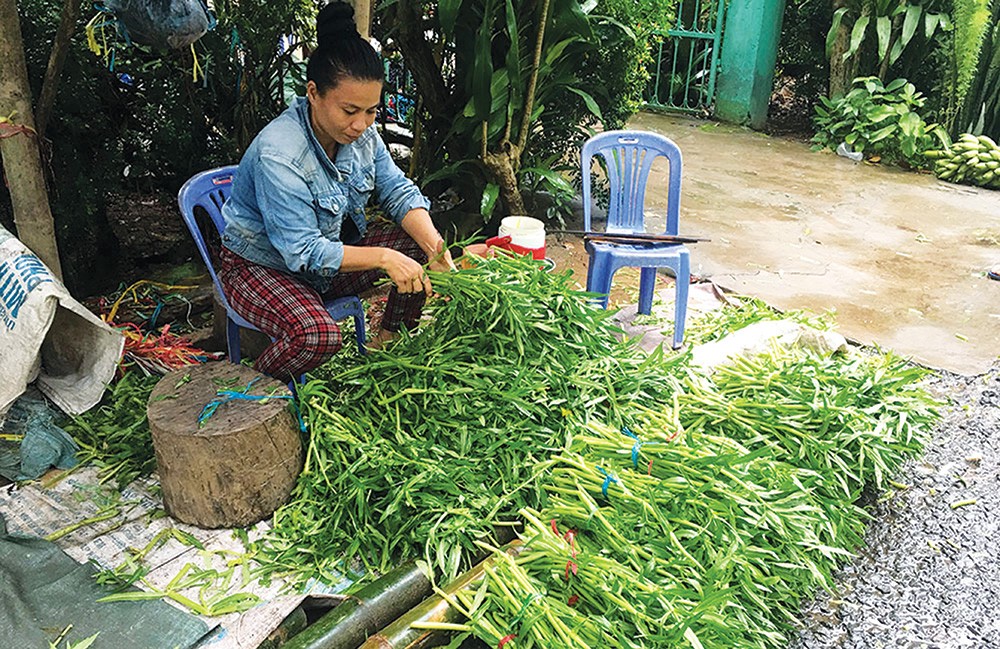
x,y
704,524
424,449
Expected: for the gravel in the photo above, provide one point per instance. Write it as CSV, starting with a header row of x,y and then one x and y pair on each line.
x,y
929,575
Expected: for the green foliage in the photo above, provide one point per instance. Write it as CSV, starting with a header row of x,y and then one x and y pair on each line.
x,y
115,435
887,25
972,25
146,125
877,119
981,112
421,450
479,121
614,74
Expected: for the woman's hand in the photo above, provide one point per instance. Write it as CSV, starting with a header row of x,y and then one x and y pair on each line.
x,y
407,274
440,259
417,223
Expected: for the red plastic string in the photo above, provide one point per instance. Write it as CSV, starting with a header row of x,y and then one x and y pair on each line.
x,y
649,471
571,539
555,528
570,567
573,600
505,640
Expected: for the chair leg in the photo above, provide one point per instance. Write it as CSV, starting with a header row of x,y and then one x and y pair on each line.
x,y
599,275
647,285
233,341
682,283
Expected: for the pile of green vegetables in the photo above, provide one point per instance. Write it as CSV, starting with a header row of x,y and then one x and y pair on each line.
x,y
421,451
706,524
970,160
115,435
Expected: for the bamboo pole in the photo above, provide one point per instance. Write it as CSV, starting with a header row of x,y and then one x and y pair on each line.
x,y
401,634
367,611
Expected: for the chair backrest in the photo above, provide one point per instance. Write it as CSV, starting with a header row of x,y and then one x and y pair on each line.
x,y
209,191
628,157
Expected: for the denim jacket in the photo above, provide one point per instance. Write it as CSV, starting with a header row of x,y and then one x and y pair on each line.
x,y
289,201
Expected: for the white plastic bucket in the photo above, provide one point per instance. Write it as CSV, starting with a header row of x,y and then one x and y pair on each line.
x,y
523,231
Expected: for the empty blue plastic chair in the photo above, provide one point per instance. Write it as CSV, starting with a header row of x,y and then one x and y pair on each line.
x,y
209,190
628,156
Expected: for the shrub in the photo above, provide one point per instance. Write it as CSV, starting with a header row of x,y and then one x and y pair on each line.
x,y
878,120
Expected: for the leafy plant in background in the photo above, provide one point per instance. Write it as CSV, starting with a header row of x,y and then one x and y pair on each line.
x,y
980,112
878,120
802,47
145,126
972,23
882,27
495,78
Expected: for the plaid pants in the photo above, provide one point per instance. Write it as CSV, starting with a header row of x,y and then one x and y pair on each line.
x,y
292,313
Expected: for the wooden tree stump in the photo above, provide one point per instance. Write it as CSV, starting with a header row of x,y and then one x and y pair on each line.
x,y
241,463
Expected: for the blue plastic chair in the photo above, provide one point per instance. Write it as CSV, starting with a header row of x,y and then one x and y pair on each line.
x,y
209,190
628,156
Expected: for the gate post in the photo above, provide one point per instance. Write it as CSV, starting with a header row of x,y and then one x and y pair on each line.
x,y
749,51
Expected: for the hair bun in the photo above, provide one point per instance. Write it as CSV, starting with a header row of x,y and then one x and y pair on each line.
x,y
335,21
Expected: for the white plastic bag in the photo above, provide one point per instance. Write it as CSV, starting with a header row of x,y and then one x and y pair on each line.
x,y
46,334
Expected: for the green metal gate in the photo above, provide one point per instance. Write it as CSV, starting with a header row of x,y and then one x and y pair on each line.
x,y
686,57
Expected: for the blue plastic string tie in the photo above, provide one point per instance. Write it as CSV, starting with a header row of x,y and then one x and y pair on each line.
x,y
608,479
635,447
156,314
234,395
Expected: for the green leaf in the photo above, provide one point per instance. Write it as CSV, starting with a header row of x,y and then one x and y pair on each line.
x,y
514,53
883,26
450,171
482,67
552,177
556,50
448,14
910,124
895,85
85,643
831,36
910,23
882,133
489,200
587,99
930,24
857,35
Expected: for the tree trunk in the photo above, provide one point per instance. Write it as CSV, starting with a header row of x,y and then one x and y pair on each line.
x,y
19,146
501,166
435,98
233,467
363,17
60,47
841,72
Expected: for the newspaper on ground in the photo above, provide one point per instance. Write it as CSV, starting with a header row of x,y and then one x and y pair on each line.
x,y
128,529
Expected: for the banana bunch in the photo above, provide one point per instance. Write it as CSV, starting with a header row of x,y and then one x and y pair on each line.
x,y
971,160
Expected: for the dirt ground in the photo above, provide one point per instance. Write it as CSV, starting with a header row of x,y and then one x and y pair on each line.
x,y
900,256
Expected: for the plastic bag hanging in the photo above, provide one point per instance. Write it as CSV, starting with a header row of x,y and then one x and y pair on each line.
x,y
163,24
